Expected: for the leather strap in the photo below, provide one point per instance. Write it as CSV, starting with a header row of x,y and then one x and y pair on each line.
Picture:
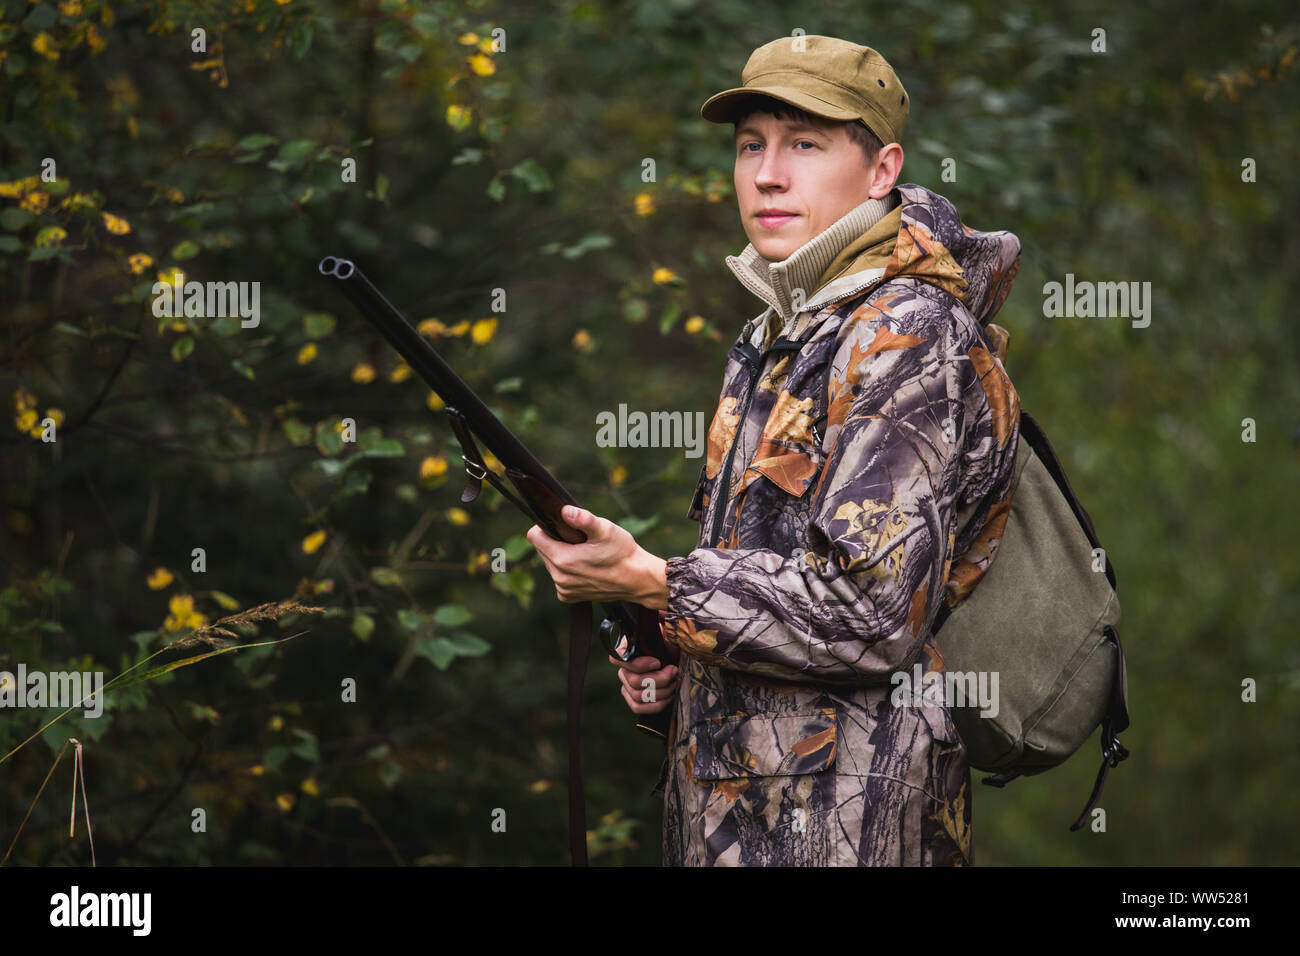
x,y
476,470
579,646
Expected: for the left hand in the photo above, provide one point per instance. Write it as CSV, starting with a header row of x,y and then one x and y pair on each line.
x,y
609,566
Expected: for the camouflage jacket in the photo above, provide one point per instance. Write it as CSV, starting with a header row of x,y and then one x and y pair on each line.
x,y
858,473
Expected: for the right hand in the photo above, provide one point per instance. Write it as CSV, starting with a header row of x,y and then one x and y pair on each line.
x,y
632,675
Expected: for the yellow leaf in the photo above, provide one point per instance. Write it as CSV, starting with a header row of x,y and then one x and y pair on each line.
x,y
694,324
116,224
482,65
664,275
458,516
460,328
435,402
159,579
311,544
618,476
431,327
483,331
645,204
467,39
311,787
400,374
275,724
433,467
306,353
285,801
581,339
139,262
363,373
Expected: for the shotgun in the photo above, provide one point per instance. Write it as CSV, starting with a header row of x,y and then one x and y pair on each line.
x,y
627,630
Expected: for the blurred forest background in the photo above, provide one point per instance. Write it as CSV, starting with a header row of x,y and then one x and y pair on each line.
x,y
521,168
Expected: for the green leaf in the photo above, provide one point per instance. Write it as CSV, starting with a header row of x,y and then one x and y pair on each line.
x,y
183,347
68,327
14,218
318,324
274,757
669,318
588,243
518,583
298,433
468,155
438,650
496,189
468,645
381,187
10,244
333,467
363,625
518,547
185,249
328,438
42,17
385,577
425,24
451,615
292,154
242,369
635,310
40,253
384,448
532,173
409,619
635,526
306,748
354,484
255,141
300,39
512,384
389,774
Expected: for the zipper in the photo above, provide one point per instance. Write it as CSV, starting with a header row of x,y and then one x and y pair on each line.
x,y
751,357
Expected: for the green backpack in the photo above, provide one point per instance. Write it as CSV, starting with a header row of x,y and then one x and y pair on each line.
x,y
1045,621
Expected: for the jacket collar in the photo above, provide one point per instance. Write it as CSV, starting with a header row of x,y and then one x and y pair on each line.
x,y
775,282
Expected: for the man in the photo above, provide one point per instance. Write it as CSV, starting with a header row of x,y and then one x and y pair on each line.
x,y
858,475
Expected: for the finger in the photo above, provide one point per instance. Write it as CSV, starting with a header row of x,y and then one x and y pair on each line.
x,y
664,682
635,705
639,665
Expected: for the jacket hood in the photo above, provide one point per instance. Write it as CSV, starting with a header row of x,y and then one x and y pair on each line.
x,y
935,246
922,237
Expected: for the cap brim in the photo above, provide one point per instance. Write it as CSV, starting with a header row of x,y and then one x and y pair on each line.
x,y
719,107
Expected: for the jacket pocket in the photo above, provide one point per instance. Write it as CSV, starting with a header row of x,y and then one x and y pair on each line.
x,y
766,788
764,745
789,453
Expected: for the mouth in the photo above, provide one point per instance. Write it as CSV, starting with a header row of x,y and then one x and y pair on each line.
x,y
774,220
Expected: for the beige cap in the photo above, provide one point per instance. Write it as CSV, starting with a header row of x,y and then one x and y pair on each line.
x,y
825,76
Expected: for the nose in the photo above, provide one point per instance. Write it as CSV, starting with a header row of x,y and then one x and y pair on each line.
x,y
771,172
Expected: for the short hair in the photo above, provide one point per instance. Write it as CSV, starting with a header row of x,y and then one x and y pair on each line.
x,y
760,103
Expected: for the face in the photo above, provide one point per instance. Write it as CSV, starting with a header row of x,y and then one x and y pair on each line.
x,y
793,180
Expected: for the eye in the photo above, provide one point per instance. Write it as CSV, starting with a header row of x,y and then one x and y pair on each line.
x,y
808,141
